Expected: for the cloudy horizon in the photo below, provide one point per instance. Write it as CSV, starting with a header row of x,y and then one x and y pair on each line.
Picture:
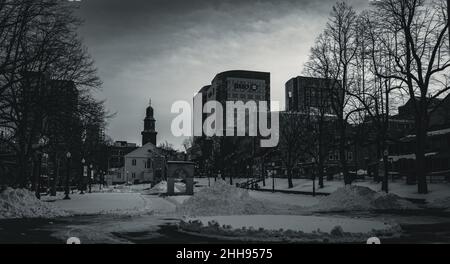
x,y
168,50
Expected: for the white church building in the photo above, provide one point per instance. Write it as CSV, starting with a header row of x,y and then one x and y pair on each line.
x,y
143,165
147,163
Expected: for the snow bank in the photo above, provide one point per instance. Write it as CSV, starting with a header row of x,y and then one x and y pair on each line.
x,y
21,203
162,188
440,203
221,199
358,198
290,228
122,188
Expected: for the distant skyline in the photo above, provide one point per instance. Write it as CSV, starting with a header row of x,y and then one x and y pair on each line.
x,y
168,49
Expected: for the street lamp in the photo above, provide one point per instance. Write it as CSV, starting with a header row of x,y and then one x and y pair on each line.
x,y
314,176
248,176
90,177
83,174
100,179
67,189
273,176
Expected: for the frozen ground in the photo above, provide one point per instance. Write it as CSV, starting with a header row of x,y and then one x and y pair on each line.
x,y
125,203
23,204
436,190
306,224
102,215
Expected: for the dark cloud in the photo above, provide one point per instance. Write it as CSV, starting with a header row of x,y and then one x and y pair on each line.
x,y
168,49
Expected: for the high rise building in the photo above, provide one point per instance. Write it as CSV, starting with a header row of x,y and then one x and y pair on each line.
x,y
237,85
305,93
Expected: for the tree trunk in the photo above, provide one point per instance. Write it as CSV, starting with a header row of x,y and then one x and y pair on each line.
x,y
421,172
320,172
231,175
55,175
38,177
384,186
290,184
376,172
343,158
23,170
263,173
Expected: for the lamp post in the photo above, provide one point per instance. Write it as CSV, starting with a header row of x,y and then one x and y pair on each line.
x,y
101,179
314,176
67,189
91,172
273,176
38,174
384,185
83,174
45,157
248,176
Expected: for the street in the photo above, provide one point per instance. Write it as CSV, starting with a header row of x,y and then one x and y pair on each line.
x,y
149,229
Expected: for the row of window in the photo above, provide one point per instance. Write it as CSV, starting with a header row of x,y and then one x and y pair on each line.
x,y
246,96
336,156
133,175
147,163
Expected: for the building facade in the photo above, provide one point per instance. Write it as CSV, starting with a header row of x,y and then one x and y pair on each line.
x,y
304,93
117,152
144,165
237,86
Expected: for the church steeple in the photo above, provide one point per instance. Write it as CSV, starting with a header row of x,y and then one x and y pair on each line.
x,y
149,133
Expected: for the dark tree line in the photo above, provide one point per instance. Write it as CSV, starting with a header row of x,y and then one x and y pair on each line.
x,y
397,49
46,83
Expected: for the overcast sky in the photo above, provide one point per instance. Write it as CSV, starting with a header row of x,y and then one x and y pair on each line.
x,y
168,49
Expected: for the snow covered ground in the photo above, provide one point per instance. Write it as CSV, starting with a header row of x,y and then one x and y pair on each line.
x,y
306,224
400,188
18,203
289,228
220,209
111,203
357,198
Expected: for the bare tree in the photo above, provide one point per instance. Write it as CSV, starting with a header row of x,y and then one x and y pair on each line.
x,y
420,54
39,44
291,146
332,58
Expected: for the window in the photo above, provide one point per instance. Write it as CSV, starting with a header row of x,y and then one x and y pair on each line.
x,y
149,164
336,155
331,156
349,156
119,175
133,175
133,162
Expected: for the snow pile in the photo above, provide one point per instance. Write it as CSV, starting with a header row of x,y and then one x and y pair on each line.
x,y
358,198
122,188
221,199
440,203
21,203
289,228
162,188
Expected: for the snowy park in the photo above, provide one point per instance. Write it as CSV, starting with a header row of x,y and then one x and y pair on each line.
x,y
219,212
